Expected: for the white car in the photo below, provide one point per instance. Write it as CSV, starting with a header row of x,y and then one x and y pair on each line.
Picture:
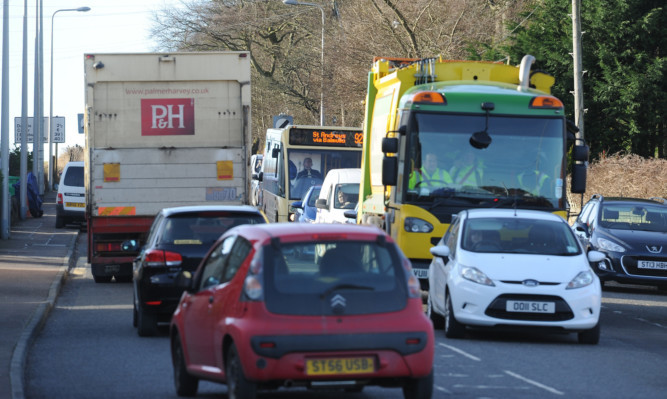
x,y
508,268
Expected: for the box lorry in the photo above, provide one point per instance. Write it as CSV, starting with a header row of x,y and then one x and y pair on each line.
x,y
441,136
162,130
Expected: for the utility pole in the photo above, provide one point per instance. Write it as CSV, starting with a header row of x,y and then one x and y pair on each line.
x,y
578,73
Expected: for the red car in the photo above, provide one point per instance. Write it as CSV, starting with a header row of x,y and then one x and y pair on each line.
x,y
311,305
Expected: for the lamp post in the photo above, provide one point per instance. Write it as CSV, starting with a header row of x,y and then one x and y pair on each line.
x,y
80,9
298,3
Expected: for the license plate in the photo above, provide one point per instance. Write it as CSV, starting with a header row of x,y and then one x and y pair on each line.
x,y
75,204
420,273
111,268
649,264
530,307
340,366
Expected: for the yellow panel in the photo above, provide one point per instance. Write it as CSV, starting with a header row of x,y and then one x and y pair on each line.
x,y
225,170
111,172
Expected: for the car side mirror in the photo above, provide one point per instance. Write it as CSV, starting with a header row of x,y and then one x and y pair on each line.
x,y
297,204
441,251
351,214
184,281
129,246
321,203
595,256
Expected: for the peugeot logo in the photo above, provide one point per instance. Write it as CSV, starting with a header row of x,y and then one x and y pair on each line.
x,y
654,249
338,304
531,283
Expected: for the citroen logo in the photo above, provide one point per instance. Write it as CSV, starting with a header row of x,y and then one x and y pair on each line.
x,y
654,249
531,283
338,304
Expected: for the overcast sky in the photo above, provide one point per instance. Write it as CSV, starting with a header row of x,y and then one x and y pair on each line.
x,y
111,26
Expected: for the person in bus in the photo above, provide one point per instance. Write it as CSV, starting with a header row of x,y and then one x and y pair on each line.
x,y
429,175
468,169
308,170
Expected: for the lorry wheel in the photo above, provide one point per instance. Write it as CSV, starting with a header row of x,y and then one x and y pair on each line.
x,y
102,279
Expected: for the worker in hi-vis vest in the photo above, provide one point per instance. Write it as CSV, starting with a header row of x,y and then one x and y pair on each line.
x,y
534,181
467,171
429,175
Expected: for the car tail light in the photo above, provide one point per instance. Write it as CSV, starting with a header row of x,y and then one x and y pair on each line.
x,y
60,199
253,286
158,257
414,289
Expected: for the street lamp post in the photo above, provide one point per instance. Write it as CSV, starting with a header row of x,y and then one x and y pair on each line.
x,y
298,3
80,9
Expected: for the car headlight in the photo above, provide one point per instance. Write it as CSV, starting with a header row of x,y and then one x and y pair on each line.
x,y
476,276
581,280
609,245
414,225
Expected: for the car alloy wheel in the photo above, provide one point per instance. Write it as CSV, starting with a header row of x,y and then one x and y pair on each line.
x,y
185,384
453,329
238,387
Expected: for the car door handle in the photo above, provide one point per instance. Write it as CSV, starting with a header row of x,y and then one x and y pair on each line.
x,y
210,299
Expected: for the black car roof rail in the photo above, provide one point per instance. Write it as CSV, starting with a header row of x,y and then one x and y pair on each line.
x,y
659,199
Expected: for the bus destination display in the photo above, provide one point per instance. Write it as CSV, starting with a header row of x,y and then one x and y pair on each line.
x,y
326,137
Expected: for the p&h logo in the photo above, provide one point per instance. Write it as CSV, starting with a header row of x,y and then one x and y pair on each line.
x,y
167,116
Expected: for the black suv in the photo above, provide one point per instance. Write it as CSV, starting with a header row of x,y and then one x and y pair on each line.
x,y
177,241
632,232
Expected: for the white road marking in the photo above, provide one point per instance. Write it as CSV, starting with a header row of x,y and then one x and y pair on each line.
x,y
535,383
460,352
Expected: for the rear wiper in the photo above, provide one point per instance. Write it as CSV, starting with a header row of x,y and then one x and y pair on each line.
x,y
345,287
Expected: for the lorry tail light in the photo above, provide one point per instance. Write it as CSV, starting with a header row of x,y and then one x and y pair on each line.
x,y
158,257
107,247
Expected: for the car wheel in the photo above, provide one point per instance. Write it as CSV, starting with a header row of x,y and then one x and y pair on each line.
x,y
135,316
590,337
438,320
419,388
453,329
60,222
238,387
102,279
146,323
185,384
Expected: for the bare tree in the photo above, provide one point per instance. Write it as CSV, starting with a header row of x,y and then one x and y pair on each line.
x,y
285,45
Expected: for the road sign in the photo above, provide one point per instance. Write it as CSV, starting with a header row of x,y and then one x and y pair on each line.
x,y
282,121
58,129
80,118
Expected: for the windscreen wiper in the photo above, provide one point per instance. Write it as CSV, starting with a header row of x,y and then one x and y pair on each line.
x,y
345,286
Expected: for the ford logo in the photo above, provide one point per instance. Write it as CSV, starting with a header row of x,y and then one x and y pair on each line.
x,y
531,283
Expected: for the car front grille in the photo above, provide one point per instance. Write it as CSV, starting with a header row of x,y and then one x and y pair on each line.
x,y
630,263
497,308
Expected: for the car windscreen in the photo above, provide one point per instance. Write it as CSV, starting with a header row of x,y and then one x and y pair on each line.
x,y
646,217
199,228
334,278
74,176
519,235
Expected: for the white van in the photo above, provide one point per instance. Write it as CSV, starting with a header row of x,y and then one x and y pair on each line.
x,y
339,194
71,199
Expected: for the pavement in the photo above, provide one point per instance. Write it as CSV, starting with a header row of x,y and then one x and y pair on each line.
x,y
34,262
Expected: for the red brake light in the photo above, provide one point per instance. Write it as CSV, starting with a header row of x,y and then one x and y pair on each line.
x,y
158,257
60,198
